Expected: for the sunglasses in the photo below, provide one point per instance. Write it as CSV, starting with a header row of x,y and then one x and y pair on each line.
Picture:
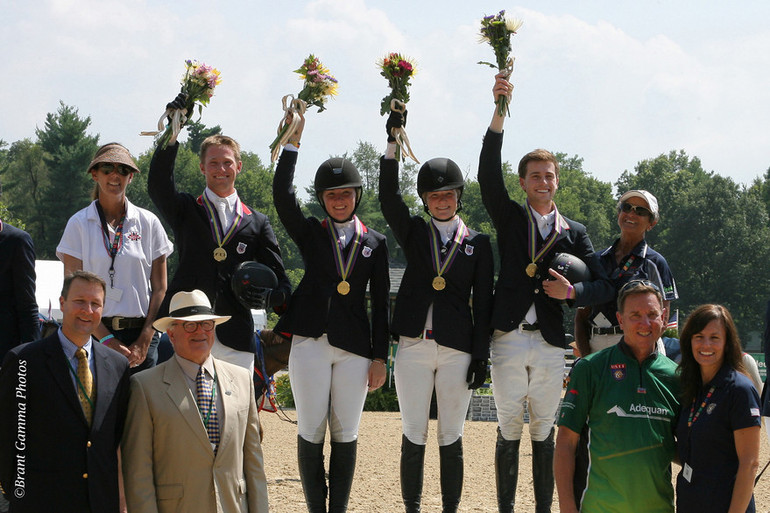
x,y
192,326
636,209
109,168
634,284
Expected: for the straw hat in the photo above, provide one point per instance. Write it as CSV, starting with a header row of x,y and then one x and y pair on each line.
x,y
189,306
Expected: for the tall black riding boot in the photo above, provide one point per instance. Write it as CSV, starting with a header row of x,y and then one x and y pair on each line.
x,y
451,463
310,458
506,472
542,473
342,466
412,463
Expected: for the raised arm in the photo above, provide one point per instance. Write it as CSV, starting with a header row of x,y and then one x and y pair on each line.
x,y
493,192
284,194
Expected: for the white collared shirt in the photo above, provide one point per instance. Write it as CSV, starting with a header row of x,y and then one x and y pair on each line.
x,y
230,203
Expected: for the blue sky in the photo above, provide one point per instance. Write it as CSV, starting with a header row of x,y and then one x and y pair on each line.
x,y
613,82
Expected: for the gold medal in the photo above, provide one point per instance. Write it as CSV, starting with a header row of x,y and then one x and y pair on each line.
x,y
439,283
343,288
220,254
531,270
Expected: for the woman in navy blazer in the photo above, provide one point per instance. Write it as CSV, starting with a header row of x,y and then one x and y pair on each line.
x,y
336,348
442,318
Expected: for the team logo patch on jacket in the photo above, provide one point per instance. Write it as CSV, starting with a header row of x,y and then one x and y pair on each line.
x,y
241,249
469,250
618,371
133,235
367,251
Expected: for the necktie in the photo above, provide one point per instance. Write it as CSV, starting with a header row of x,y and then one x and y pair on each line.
x,y
222,207
208,407
86,385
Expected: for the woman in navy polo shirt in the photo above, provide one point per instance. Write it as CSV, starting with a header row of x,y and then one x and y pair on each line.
x,y
719,423
629,258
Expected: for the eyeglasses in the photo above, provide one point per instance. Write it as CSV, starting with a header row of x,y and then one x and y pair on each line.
x,y
635,284
636,209
192,326
109,168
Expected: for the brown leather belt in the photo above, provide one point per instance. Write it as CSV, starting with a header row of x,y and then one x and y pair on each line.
x,y
118,323
612,330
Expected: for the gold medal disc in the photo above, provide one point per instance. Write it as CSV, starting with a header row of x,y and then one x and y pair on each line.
x,y
220,254
343,288
439,283
531,270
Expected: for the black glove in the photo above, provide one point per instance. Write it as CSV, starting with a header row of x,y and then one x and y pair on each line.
x,y
257,297
477,374
180,102
395,120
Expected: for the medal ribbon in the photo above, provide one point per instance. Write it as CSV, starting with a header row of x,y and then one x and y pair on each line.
x,y
117,243
213,216
345,267
532,231
693,414
435,247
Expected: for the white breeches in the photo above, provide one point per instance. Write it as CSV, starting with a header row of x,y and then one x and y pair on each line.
x,y
329,387
526,368
420,366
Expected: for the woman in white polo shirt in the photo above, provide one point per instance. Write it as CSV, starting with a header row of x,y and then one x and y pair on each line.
x,y
125,245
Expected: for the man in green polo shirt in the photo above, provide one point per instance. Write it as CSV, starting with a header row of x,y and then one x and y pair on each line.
x,y
622,402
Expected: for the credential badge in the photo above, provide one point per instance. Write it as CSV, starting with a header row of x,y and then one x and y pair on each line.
x,y
618,371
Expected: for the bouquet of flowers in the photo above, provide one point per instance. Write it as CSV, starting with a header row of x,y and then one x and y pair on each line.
x,y
397,69
497,30
318,88
198,85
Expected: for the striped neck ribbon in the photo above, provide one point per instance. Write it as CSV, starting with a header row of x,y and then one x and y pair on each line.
x,y
345,266
439,265
532,231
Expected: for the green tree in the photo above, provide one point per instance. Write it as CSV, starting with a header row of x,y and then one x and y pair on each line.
x,y
68,151
713,232
24,176
196,133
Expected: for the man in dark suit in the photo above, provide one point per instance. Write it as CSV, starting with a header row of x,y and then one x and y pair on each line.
x,y
64,401
214,233
528,342
18,306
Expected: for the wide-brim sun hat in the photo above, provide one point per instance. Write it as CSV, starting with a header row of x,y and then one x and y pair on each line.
x,y
652,202
113,153
189,307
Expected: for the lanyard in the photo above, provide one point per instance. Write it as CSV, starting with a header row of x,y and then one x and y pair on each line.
x,y
117,243
80,385
212,406
693,414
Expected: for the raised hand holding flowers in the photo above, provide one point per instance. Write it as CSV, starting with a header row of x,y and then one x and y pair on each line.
x,y
318,88
497,31
397,69
198,85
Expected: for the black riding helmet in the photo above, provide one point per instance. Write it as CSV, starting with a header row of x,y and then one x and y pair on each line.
x,y
440,174
337,173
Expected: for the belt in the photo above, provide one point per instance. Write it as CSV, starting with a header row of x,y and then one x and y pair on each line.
x,y
529,327
612,330
123,323
427,334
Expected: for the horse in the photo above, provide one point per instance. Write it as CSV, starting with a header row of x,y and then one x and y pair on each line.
x,y
272,357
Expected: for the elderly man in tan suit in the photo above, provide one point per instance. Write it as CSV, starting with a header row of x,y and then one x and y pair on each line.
x,y
191,441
